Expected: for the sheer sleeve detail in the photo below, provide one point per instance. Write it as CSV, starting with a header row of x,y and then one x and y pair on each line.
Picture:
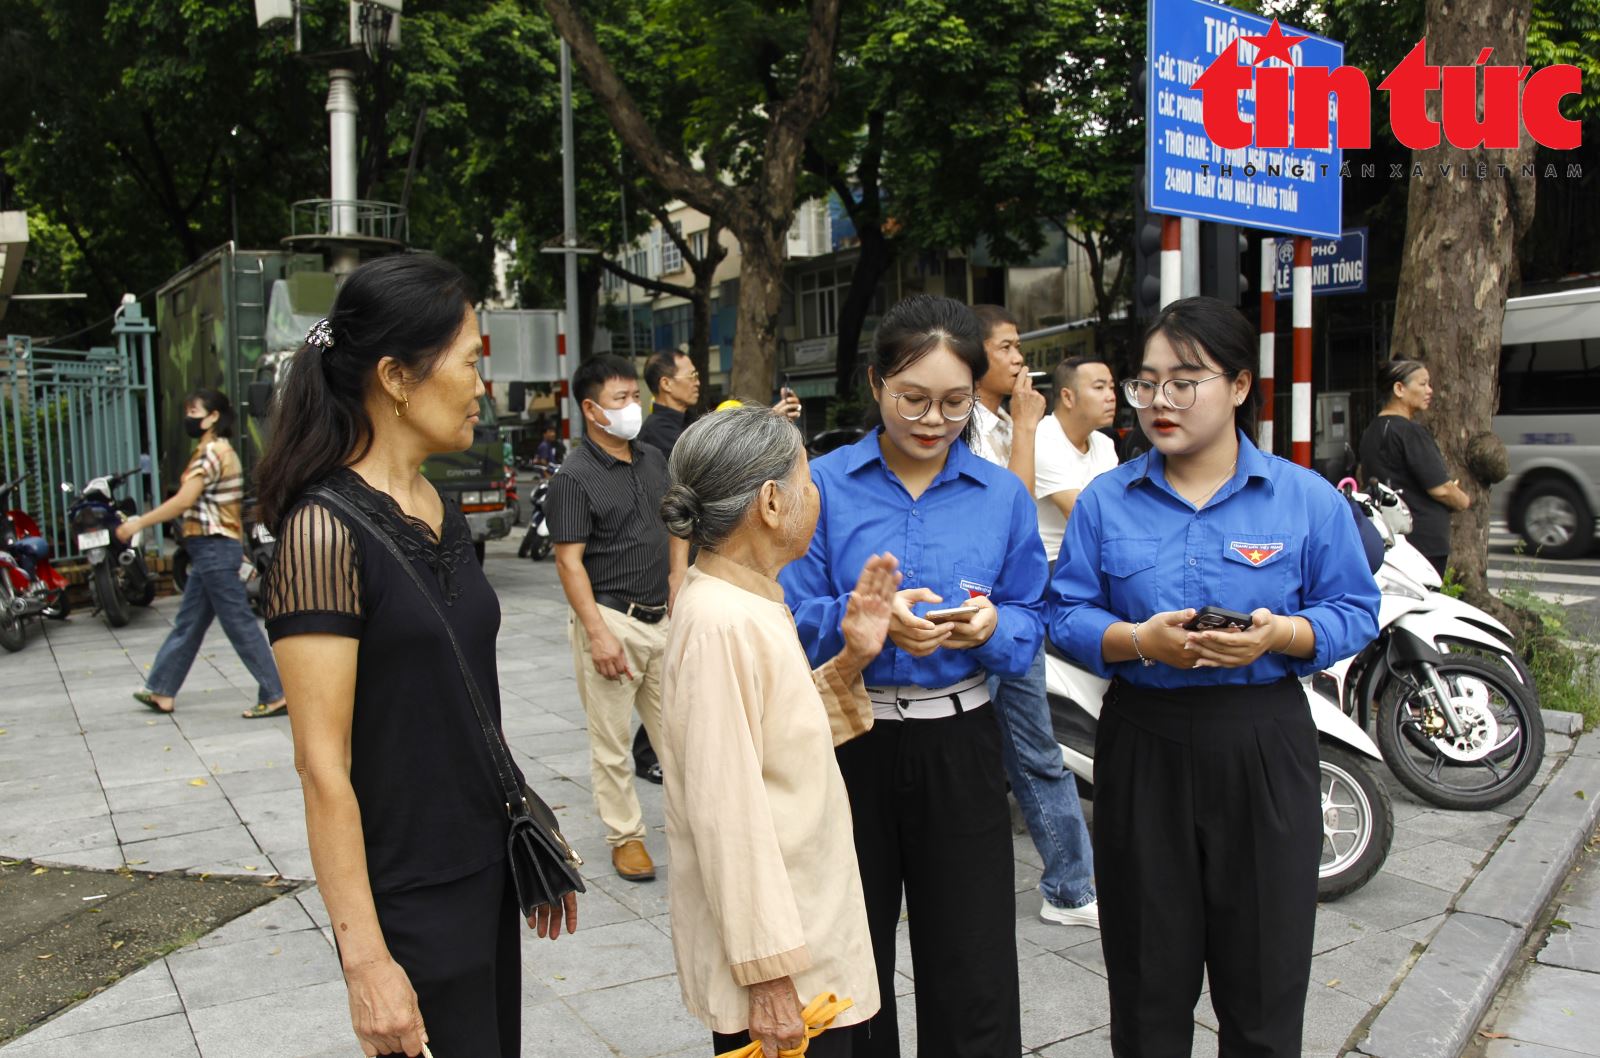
x,y
314,583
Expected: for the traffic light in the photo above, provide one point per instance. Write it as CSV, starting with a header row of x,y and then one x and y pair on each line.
x,y
1222,254
1146,254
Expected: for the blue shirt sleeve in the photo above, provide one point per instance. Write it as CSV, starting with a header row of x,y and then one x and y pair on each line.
x,y
1078,598
808,588
1018,596
1339,596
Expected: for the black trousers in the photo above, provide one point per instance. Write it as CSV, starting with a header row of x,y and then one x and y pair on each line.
x,y
929,802
1207,836
460,943
644,754
832,1044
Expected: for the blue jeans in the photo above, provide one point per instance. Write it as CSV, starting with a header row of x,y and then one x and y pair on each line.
x,y
1046,790
214,590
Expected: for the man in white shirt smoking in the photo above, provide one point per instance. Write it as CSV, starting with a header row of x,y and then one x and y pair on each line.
x,y
1069,449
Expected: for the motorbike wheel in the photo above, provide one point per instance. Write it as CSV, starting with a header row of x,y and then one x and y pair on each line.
x,y
108,593
180,569
542,549
1357,823
13,637
146,593
1492,763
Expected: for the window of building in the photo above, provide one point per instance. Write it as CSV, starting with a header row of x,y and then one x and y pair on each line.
x,y
673,326
697,244
821,292
671,255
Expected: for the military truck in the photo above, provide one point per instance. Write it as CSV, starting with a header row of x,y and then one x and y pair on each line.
x,y
233,321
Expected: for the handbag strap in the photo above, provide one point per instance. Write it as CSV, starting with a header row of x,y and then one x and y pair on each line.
x,y
498,751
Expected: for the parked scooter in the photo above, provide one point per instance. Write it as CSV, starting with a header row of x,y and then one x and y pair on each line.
x,y
119,574
536,543
30,587
1456,713
259,547
1357,815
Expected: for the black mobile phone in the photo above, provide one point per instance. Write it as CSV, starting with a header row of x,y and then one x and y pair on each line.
x,y
1211,618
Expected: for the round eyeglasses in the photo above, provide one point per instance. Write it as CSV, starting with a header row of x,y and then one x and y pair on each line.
x,y
1180,392
914,406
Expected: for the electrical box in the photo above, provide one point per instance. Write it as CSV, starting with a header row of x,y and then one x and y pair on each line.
x,y
272,12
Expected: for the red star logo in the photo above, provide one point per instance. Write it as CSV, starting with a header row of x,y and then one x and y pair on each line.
x,y
1275,45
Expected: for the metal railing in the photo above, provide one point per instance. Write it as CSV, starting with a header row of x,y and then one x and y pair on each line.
x,y
363,218
75,414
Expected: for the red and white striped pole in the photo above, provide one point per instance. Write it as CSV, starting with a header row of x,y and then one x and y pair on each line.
x,y
1171,260
563,412
488,369
1301,411
1269,350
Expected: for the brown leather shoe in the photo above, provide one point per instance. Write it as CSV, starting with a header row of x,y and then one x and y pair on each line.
x,y
633,862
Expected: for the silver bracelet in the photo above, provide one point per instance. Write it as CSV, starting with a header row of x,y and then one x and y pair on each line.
x,y
1133,633
1294,633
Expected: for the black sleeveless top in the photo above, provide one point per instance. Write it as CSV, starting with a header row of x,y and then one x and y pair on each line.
x,y
430,806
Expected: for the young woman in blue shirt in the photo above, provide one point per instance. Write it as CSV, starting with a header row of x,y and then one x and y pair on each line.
x,y
1207,828
927,787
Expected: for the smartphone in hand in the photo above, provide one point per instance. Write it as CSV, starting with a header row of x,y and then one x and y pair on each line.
x,y
1215,618
952,613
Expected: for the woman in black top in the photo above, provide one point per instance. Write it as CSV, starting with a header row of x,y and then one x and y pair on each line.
x,y
403,809
1401,453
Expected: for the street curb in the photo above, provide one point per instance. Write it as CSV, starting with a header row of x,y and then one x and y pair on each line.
x,y
1560,722
1437,1008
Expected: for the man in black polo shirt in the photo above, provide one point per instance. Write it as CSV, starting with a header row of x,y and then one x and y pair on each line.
x,y
675,385
614,554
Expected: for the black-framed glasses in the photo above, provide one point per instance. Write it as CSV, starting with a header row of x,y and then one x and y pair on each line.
x,y
1180,392
914,406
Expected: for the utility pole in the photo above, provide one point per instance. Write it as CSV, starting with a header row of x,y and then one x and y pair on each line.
x,y
567,343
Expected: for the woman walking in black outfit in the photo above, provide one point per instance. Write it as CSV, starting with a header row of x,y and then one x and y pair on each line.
x,y
403,810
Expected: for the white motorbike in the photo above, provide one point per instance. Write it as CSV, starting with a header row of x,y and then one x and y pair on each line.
x,y
1357,816
1456,713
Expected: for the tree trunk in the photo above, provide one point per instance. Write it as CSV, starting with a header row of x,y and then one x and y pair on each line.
x,y
755,340
1460,250
876,255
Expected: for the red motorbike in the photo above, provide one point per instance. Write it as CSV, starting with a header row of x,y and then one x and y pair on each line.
x,y
30,588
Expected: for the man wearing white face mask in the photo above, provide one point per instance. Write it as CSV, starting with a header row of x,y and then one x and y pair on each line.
x,y
614,554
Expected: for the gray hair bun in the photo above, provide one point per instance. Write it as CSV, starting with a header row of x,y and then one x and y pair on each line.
x,y
681,510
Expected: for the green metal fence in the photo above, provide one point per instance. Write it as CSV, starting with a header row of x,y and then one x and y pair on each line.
x,y
75,414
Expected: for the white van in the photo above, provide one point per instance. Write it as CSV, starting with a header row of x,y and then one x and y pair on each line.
x,y
1549,420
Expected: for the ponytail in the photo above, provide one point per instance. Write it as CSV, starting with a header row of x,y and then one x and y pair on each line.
x,y
407,307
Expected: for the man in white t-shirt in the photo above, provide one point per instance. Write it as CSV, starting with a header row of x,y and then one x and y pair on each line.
x,y
1069,451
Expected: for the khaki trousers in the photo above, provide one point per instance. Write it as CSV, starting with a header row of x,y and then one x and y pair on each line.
x,y
610,705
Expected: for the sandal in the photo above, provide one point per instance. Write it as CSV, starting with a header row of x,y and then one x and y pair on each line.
x,y
148,700
261,712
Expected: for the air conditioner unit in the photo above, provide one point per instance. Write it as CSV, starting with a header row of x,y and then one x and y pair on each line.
x,y
811,234
368,19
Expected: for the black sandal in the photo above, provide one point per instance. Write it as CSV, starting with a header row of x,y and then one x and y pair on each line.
x,y
261,711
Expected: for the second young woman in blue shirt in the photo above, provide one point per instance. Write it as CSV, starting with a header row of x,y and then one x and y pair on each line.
x,y
1207,824
927,787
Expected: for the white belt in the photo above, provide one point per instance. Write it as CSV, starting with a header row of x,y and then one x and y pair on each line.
x,y
929,703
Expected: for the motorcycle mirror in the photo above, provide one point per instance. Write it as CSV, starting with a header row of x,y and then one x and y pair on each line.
x,y
144,462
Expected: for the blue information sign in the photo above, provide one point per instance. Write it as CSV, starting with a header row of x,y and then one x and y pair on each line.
x,y
1338,266
1295,190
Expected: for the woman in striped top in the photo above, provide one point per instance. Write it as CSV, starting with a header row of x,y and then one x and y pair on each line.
x,y
209,500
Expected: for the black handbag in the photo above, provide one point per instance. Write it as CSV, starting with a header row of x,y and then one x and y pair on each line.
x,y
544,866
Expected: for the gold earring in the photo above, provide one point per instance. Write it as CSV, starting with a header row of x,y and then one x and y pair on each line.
x,y
402,406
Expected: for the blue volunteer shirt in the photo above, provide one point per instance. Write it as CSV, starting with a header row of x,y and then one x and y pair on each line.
x,y
1276,535
973,532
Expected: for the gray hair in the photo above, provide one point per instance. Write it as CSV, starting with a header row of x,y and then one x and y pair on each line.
x,y
718,467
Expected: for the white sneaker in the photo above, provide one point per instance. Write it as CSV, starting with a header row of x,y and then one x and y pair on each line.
x,y
1087,915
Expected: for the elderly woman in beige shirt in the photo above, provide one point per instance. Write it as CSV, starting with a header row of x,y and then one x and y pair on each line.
x,y
767,909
